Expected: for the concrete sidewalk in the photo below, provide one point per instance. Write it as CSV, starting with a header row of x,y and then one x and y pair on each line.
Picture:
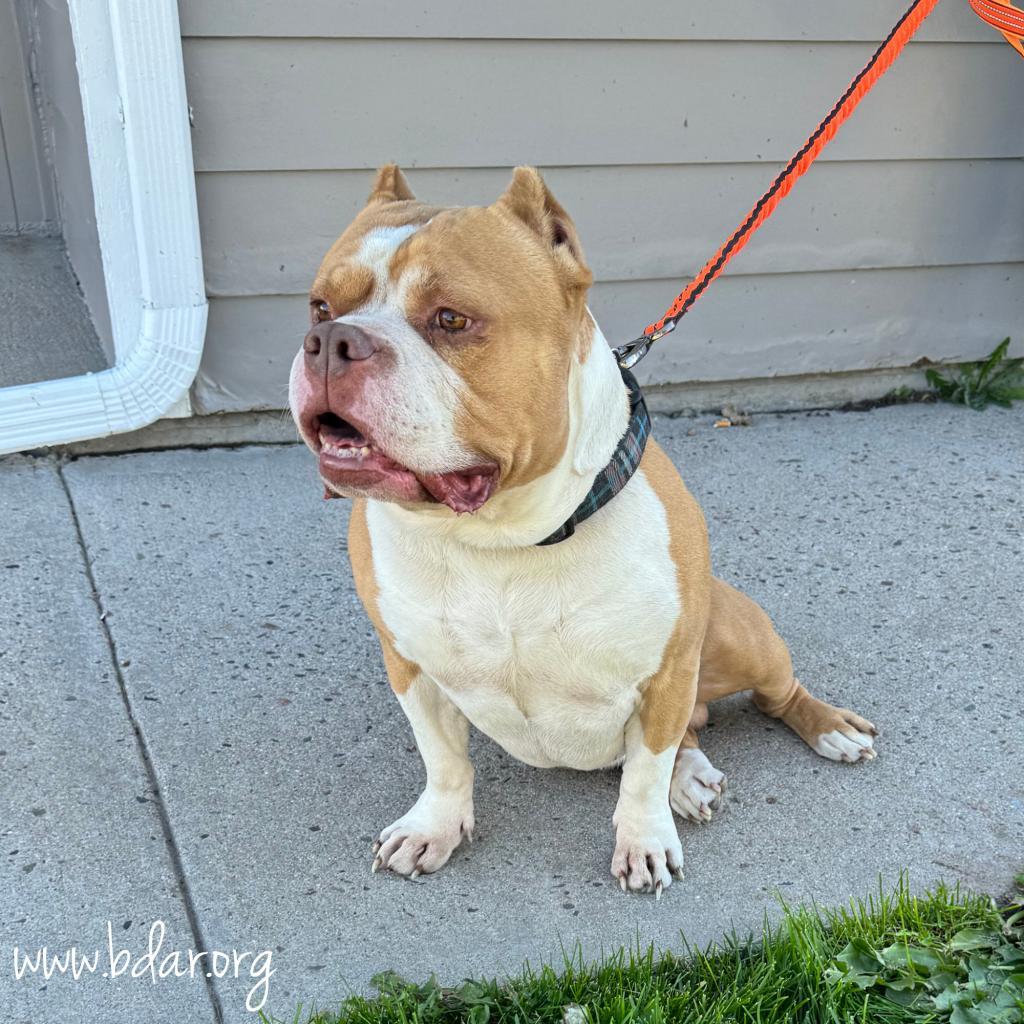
x,y
220,750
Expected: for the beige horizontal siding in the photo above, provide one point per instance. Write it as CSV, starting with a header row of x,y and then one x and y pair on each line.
x,y
262,104
658,124
748,326
267,232
571,19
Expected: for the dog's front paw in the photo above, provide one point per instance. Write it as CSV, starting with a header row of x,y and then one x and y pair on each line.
x,y
424,838
648,854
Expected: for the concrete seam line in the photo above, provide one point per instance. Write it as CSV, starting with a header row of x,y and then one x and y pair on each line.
x,y
174,854
140,156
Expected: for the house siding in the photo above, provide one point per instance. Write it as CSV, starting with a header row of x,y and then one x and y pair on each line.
x,y
657,131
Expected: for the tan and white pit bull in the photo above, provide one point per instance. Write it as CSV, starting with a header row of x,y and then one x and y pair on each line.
x,y
455,385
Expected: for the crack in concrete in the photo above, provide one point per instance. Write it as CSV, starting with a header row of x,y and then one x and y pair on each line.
x,y
177,865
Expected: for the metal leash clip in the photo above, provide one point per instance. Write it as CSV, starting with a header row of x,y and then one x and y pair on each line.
x,y
633,351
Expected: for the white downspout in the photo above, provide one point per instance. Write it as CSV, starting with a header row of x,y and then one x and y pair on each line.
x,y
140,158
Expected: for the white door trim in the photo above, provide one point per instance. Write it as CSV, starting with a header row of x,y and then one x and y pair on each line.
x,y
140,159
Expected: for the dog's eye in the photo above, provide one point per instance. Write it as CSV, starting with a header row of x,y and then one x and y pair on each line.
x,y
449,320
320,310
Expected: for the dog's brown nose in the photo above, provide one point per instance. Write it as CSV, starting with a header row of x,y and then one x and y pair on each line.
x,y
330,346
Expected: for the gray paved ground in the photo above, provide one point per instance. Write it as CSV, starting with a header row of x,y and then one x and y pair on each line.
x,y
886,545
44,322
81,842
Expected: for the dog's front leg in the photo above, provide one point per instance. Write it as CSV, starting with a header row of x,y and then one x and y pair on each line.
x,y
647,849
424,838
648,854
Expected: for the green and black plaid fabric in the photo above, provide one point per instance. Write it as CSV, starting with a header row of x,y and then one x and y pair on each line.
x,y
623,464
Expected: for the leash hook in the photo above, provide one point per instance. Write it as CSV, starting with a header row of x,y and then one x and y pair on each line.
x,y
633,351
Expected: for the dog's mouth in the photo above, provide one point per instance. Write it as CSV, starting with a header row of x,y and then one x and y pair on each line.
x,y
341,439
349,461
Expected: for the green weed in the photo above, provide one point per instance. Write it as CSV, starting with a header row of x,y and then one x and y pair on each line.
x,y
995,380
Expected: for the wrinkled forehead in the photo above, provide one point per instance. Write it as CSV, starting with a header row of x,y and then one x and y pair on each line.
x,y
359,264
399,257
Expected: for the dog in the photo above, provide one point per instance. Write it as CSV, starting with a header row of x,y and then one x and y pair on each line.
x,y
454,384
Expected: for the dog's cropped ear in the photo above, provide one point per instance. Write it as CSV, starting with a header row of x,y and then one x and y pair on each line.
x,y
390,186
530,200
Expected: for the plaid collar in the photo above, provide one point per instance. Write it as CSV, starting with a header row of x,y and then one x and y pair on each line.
x,y
622,465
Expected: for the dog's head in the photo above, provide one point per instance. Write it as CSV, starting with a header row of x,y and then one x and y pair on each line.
x,y
436,370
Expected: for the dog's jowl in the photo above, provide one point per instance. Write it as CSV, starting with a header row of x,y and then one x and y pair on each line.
x,y
454,384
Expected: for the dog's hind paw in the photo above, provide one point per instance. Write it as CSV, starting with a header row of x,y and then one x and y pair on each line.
x,y
697,786
852,740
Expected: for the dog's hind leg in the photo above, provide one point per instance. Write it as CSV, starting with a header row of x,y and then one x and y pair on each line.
x,y
742,651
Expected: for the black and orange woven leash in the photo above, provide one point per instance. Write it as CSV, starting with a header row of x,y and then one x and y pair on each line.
x,y
1000,14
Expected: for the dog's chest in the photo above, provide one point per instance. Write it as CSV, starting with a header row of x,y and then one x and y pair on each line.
x,y
544,650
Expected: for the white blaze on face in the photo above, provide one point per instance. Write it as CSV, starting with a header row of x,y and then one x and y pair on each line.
x,y
379,246
412,404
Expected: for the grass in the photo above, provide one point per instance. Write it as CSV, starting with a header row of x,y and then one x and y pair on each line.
x,y
893,958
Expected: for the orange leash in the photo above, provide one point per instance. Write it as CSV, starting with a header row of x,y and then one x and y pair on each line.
x,y
999,13
1002,15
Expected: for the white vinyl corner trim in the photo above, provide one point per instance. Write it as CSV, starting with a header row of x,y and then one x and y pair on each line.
x,y
140,159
